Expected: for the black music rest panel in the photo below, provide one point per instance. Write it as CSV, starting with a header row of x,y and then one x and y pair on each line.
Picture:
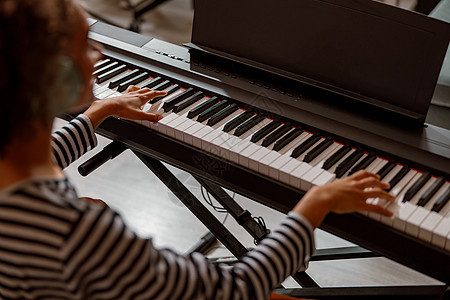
x,y
364,49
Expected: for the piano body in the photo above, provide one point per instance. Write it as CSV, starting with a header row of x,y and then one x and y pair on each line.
x,y
270,134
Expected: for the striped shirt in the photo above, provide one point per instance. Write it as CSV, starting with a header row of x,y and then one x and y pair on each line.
x,y
54,246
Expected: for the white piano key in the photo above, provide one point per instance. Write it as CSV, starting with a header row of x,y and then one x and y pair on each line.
x,y
98,89
374,165
197,136
428,225
181,130
287,169
306,181
401,211
105,94
441,232
276,166
322,157
324,178
247,152
189,134
297,173
415,219
256,157
380,165
266,161
287,150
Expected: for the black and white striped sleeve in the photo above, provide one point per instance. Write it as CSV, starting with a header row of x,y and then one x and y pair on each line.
x,y
111,262
73,140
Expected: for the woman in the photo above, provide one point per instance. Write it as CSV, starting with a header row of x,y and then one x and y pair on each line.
x,y
55,245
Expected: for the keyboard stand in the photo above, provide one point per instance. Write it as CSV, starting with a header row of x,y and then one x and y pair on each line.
x,y
310,289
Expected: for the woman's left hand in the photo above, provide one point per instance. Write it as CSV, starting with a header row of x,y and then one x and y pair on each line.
x,y
126,106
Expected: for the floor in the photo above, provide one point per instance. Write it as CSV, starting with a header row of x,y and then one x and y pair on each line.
x,y
127,186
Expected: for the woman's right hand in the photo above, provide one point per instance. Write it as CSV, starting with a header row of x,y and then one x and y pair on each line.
x,y
345,195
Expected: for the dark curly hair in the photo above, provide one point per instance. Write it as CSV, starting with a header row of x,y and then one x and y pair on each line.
x,y
33,34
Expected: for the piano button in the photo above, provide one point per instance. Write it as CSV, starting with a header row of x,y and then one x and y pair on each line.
x,y
299,150
297,174
202,107
307,179
212,110
425,197
440,233
363,164
132,81
150,84
317,150
285,140
110,74
345,165
188,102
162,85
336,157
169,104
386,169
249,124
105,68
238,120
219,116
275,135
441,201
115,83
102,63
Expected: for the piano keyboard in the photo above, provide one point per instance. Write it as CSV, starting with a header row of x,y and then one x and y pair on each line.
x,y
283,150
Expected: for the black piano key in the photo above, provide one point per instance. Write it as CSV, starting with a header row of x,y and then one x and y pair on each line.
x,y
171,89
441,201
337,156
425,197
398,176
169,104
110,74
105,68
313,153
150,83
162,86
274,136
386,169
202,107
363,164
264,131
237,120
188,101
219,116
132,81
244,127
212,110
281,143
305,145
346,165
102,63
416,186
114,83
